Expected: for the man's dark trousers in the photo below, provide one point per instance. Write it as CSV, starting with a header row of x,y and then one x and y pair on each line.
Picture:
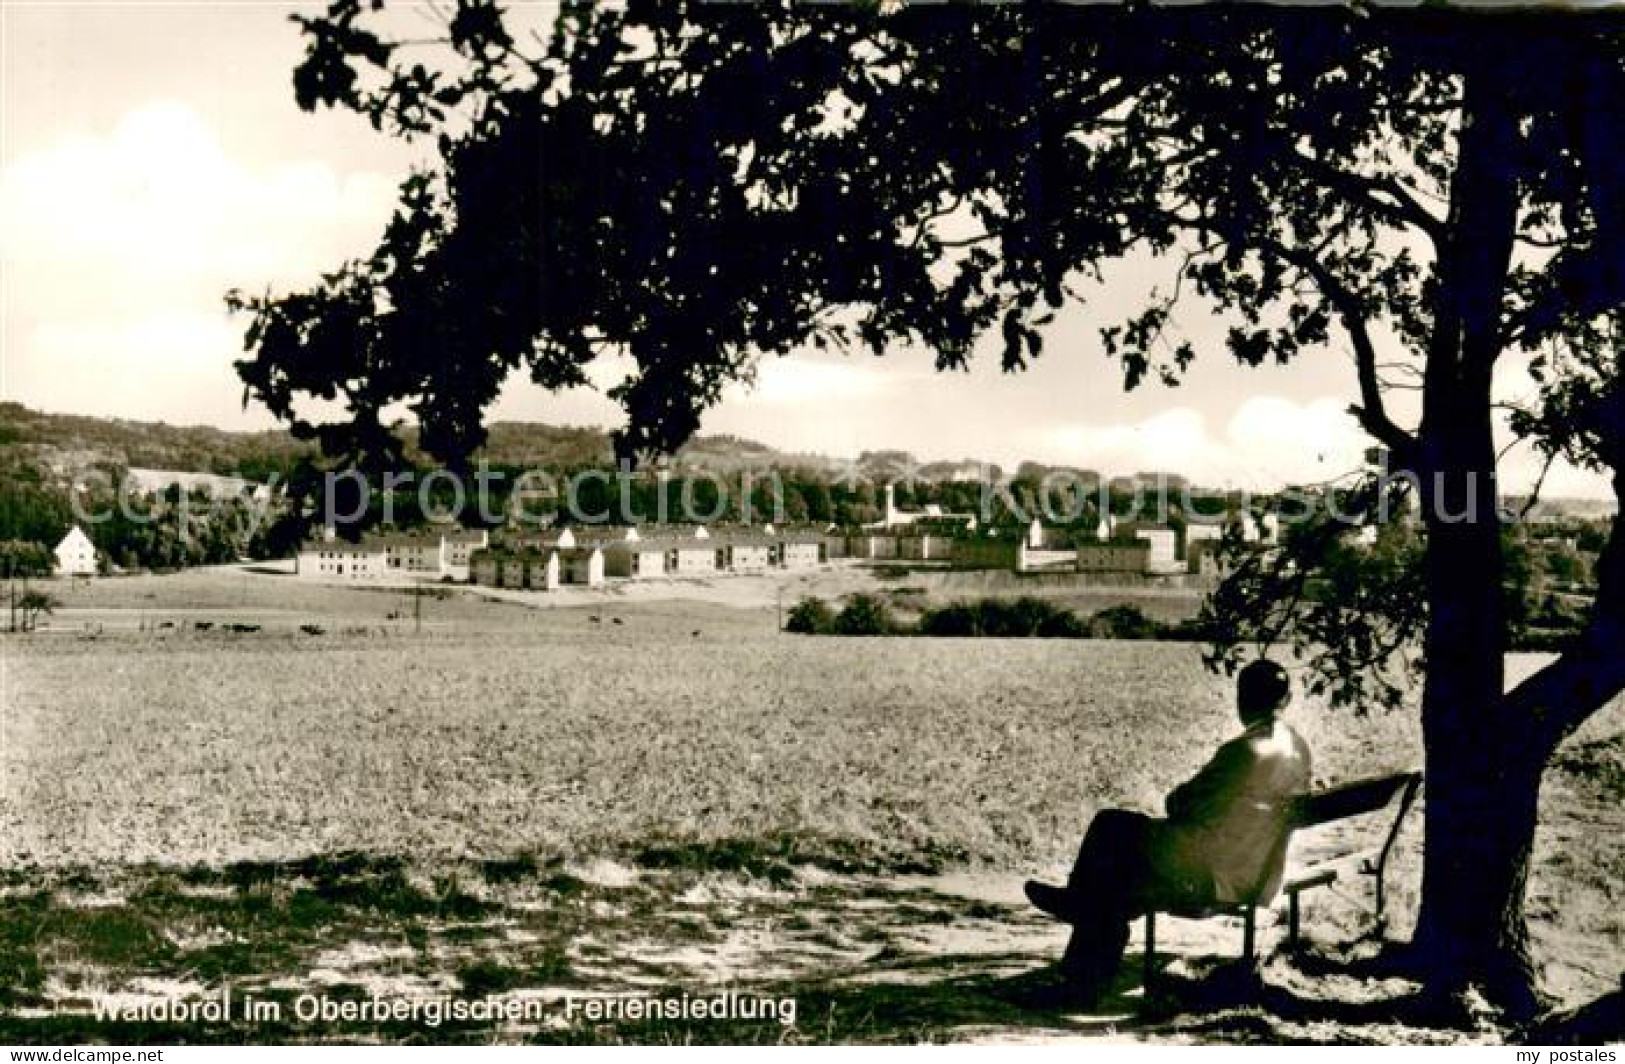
x,y
1111,883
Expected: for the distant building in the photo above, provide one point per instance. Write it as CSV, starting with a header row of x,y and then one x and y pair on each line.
x,y
1116,556
516,569
460,545
485,567
635,560
801,550
532,539
746,553
592,536
532,570
1265,528
670,530
990,552
1162,540
412,553
690,557
423,554
1202,557
1201,532
895,518
76,555
918,545
1047,537
581,566
426,553
545,571
156,481
332,558
871,545
525,569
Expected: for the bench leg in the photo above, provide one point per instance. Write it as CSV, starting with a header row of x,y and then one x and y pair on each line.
x,y
1248,935
1149,964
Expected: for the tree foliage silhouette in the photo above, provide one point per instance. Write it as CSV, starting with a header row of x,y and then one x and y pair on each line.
x,y
695,186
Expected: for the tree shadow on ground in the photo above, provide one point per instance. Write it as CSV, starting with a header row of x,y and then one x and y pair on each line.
x,y
865,958
1210,998
956,997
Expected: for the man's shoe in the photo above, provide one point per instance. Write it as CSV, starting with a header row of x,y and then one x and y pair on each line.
x,y
1057,901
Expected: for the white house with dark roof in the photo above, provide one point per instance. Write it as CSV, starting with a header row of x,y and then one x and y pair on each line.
x,y
412,553
801,548
596,535
485,567
690,557
459,547
634,560
746,553
332,558
582,566
76,554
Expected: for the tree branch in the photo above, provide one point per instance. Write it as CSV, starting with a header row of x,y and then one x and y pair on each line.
x,y
1371,411
1362,191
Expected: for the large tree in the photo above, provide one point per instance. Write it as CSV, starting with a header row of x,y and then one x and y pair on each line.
x,y
1439,194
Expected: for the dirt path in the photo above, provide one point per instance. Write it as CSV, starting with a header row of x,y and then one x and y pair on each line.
x,y
863,957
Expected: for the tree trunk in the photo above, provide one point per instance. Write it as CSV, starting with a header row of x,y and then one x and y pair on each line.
x,y
1483,773
1483,789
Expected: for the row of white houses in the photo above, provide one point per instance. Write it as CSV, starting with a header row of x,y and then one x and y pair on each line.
x,y
546,559
588,557
432,555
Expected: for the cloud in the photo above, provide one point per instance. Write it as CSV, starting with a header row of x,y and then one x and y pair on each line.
x,y
1267,442
157,197
1166,440
1271,438
177,364
119,248
794,380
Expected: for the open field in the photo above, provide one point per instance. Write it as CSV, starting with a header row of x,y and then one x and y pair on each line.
x,y
625,796
270,594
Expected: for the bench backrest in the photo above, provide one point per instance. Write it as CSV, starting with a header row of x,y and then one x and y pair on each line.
x,y
1354,799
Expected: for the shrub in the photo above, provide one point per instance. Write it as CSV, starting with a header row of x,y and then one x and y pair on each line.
x,y
1063,624
1023,618
957,619
1123,622
810,616
864,615
1027,616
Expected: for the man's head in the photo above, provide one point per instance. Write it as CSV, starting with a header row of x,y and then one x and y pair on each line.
x,y
1262,691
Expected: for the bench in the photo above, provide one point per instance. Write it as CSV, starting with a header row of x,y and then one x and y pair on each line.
x,y
1323,807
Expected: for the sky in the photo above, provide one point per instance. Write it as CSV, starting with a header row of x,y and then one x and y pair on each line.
x,y
152,158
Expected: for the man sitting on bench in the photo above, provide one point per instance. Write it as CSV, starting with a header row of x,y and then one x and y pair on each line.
x,y
1223,841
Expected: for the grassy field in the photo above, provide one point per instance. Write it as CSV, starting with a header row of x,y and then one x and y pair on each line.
x,y
616,797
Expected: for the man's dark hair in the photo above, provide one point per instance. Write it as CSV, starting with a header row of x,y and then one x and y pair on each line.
x,y
1261,690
